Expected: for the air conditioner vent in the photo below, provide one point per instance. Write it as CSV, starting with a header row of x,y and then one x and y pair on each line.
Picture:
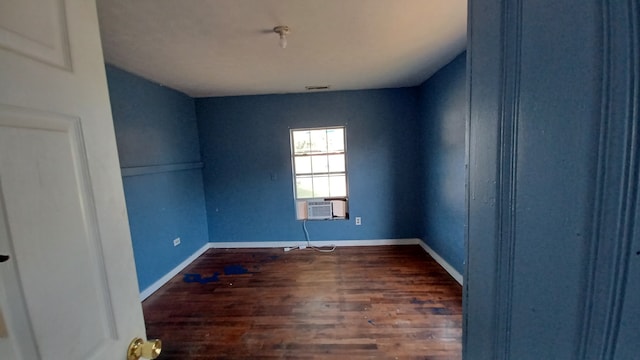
x,y
319,210
317,87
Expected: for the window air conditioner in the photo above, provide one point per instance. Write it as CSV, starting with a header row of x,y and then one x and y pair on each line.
x,y
319,210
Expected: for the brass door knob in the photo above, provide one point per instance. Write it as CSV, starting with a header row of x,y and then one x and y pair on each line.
x,y
144,349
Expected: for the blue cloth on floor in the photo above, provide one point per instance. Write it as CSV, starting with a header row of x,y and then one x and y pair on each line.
x,y
190,278
235,270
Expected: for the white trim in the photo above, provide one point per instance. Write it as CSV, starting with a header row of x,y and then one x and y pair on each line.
x,y
291,244
445,265
163,280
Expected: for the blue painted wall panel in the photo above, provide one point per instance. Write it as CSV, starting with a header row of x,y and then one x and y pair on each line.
x,y
157,126
162,207
247,175
443,106
154,124
553,179
557,142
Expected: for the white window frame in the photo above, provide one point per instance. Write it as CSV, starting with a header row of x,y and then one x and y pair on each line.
x,y
339,203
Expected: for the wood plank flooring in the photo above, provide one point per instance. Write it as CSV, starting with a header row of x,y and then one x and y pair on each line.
x,y
385,302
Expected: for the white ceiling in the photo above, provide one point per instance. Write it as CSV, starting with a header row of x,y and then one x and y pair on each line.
x,y
227,47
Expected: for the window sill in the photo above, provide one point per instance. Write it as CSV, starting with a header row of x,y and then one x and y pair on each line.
x,y
332,219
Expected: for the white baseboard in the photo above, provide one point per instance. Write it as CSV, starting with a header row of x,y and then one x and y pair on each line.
x,y
283,244
445,265
163,280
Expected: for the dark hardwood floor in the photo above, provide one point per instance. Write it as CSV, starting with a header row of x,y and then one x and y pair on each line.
x,y
385,302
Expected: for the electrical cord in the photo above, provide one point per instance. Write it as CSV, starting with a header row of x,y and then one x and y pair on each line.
x,y
306,236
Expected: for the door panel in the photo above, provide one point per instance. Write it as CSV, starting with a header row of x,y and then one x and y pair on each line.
x,y
35,28
69,290
47,201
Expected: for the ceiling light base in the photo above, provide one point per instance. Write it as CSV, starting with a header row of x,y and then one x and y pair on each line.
x,y
283,31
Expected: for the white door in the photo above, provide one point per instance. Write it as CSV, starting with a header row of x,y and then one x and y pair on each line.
x,y
69,290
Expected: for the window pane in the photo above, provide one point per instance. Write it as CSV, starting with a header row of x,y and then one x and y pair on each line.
x,y
303,165
318,141
320,186
338,185
304,186
336,163
319,164
335,140
301,142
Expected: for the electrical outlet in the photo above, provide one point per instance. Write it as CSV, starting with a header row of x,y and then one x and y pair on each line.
x,y
358,220
176,241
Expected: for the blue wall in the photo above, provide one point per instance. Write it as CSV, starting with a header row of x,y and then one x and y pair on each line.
x,y
247,173
154,126
443,106
405,159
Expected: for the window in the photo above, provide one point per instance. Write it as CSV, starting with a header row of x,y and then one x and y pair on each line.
x,y
319,167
